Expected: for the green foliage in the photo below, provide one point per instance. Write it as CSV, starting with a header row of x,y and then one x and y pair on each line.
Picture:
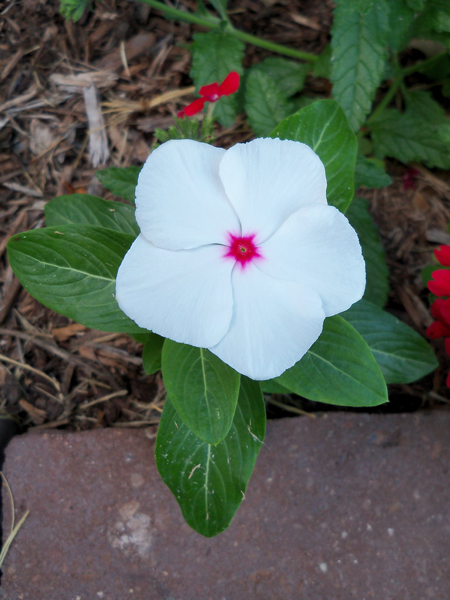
x,y
209,482
120,181
408,137
73,9
151,356
288,75
72,270
202,388
377,287
324,127
187,129
79,209
214,55
400,19
402,354
338,369
265,103
370,173
221,7
322,67
359,41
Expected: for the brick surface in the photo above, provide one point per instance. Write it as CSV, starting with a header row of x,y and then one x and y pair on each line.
x,y
346,506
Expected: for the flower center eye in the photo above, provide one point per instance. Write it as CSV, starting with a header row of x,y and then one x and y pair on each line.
x,y
242,249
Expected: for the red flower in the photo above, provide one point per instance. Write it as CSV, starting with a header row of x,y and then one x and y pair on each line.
x,y
211,93
440,310
440,284
442,255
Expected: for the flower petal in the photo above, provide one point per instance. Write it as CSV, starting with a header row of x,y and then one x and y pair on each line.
x,y
230,84
442,255
441,284
180,200
267,180
317,247
274,323
185,295
194,107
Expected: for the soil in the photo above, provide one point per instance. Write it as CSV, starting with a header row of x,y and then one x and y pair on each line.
x,y
57,373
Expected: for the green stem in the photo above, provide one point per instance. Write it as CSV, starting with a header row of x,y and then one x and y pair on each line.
x,y
387,98
423,64
211,22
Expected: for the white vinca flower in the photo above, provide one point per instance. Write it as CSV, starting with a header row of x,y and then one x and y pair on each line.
x,y
239,252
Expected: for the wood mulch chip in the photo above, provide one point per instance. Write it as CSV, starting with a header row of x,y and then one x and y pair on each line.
x,y
76,97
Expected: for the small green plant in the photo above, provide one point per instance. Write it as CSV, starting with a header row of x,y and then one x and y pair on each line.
x,y
213,422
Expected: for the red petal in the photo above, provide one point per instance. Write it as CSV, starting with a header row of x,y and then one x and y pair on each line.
x,y
195,107
181,114
437,330
210,92
436,309
447,345
445,312
441,284
230,84
443,255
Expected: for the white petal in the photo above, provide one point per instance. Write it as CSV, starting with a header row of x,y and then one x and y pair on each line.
x,y
184,295
267,180
319,248
180,200
274,323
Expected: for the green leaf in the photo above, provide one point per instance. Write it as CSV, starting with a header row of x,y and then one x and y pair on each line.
x,y
120,181
288,75
209,482
151,356
72,270
265,104
83,209
416,5
221,8
377,287
270,386
402,354
410,138
358,57
370,173
338,369
203,389
324,127
73,9
400,18
421,105
214,55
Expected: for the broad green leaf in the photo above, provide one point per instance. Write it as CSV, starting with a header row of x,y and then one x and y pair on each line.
x,y
359,54
203,389
416,5
288,75
151,355
265,104
338,369
377,287
324,127
120,181
401,353
83,209
209,482
438,70
270,386
322,66
410,138
436,16
214,55
72,270
400,18
370,173
421,105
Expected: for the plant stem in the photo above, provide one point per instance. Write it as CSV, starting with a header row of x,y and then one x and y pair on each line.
x,y
423,64
212,22
387,98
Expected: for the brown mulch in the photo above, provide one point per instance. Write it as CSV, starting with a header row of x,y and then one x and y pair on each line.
x,y
53,75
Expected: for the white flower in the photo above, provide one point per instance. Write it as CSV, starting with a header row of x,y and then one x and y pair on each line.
x,y
239,252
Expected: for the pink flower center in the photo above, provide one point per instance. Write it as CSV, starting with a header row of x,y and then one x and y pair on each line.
x,y
243,249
